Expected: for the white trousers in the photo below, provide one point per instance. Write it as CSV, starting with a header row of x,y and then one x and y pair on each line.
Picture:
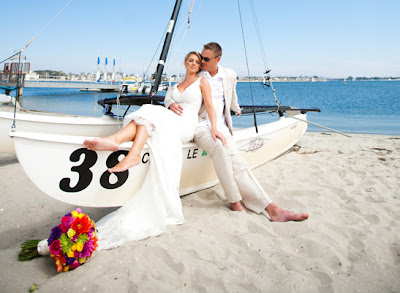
x,y
233,173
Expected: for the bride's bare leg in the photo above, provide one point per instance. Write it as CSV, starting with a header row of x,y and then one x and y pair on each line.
x,y
111,143
133,157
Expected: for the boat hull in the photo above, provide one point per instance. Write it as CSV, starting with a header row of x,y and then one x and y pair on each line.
x,y
42,122
62,168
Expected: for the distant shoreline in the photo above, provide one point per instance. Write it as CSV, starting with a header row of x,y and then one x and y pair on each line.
x,y
60,76
307,80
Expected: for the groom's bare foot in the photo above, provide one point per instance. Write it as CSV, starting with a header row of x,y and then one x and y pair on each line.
x,y
128,162
101,144
236,206
278,214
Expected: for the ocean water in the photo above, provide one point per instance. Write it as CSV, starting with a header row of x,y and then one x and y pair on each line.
x,y
371,107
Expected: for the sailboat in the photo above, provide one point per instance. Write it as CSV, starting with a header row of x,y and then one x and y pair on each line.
x,y
72,174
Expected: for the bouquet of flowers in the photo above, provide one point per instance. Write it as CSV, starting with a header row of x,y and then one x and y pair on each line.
x,y
70,244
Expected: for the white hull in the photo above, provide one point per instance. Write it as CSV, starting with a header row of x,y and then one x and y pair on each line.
x,y
42,122
62,168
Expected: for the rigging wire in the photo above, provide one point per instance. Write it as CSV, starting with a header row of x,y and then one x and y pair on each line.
x,y
266,79
258,33
34,37
177,35
13,126
163,36
184,35
158,47
247,64
190,11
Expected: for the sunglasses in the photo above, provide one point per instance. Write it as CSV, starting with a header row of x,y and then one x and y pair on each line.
x,y
208,59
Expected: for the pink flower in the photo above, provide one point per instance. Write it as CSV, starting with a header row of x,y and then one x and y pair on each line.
x,y
55,247
74,265
66,223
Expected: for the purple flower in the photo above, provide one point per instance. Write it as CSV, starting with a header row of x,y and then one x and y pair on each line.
x,y
87,249
74,238
69,260
54,234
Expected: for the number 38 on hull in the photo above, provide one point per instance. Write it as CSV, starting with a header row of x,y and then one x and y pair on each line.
x,y
64,169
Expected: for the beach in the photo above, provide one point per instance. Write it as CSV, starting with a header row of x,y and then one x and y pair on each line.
x,y
350,243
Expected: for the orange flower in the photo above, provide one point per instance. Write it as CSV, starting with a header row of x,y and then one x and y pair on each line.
x,y
82,225
58,263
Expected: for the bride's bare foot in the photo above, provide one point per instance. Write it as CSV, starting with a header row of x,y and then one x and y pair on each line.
x,y
128,162
278,214
236,206
101,144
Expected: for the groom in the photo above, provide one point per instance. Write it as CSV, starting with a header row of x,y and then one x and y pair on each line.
x,y
236,179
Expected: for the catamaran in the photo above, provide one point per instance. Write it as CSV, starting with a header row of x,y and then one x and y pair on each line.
x,y
64,169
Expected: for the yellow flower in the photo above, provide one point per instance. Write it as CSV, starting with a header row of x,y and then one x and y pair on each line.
x,y
79,246
80,216
74,214
71,232
82,260
73,248
66,269
71,253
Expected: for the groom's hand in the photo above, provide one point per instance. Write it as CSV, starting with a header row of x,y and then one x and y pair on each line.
x,y
217,134
176,108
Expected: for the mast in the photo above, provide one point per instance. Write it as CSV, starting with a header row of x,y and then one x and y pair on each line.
x,y
98,69
164,52
105,70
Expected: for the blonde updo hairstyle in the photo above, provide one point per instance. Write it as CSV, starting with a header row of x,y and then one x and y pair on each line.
x,y
193,53
196,54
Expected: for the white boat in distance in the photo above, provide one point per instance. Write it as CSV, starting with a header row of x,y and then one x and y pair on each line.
x,y
77,176
129,85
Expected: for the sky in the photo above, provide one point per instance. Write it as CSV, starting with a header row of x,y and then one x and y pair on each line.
x,y
311,37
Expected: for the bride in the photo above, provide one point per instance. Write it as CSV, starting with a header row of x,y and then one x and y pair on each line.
x,y
157,203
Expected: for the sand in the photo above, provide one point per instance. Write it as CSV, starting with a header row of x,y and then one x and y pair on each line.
x,y
351,242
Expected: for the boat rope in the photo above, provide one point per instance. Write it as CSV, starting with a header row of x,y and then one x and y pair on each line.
x,y
248,70
273,93
266,78
258,33
190,11
119,120
184,34
318,125
34,37
155,52
13,126
163,36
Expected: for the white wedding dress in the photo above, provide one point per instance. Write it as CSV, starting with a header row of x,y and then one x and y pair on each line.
x,y
157,202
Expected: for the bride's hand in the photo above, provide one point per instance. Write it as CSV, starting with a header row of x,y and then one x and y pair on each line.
x,y
216,134
176,108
